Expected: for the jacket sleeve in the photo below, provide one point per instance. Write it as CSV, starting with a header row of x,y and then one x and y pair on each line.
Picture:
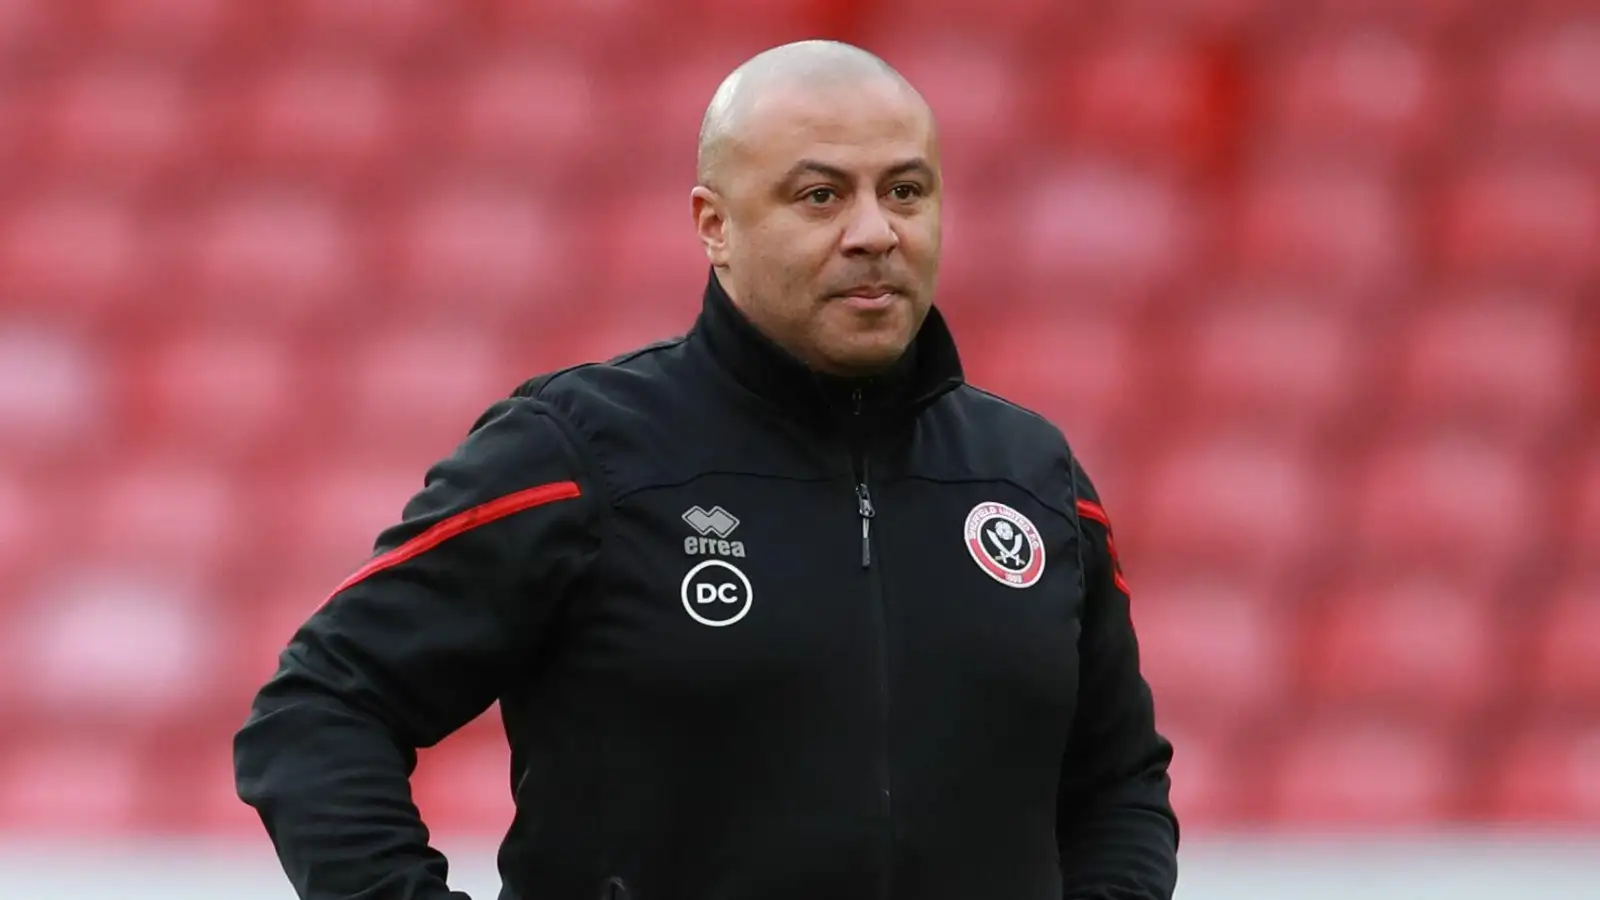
x,y
412,646
1115,826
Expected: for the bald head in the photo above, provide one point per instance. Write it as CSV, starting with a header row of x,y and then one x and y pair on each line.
x,y
818,203
814,65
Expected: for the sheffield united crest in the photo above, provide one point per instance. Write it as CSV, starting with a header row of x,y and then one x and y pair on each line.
x,y
1005,544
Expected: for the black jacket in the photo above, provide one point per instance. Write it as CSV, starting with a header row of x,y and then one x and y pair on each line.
x,y
756,634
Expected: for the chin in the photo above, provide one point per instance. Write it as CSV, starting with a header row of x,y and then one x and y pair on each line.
x,y
868,358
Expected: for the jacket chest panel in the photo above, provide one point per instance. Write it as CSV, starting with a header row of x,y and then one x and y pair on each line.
x,y
738,589
732,586
984,590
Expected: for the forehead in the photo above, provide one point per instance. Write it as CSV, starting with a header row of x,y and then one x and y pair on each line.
x,y
846,124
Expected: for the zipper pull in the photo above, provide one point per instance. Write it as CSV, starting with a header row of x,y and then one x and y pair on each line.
x,y
855,401
864,508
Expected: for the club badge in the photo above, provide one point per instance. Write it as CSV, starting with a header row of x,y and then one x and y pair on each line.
x,y
1005,544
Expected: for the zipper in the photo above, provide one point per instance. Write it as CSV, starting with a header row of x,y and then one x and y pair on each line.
x,y
865,510
860,466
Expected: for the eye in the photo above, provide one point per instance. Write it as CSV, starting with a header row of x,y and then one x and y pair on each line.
x,y
906,192
819,196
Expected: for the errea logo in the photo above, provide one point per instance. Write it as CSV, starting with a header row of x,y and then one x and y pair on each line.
x,y
714,526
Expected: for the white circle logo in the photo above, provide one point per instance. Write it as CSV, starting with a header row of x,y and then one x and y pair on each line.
x,y
1005,544
716,593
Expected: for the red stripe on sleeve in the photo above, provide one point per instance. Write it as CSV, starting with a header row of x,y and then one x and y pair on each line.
x,y
462,522
1094,511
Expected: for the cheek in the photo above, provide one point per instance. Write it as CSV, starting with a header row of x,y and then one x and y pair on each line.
x,y
799,254
921,237
786,265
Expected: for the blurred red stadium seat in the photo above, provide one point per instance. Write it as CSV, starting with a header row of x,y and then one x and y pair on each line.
x,y
485,247
169,512
655,234
118,123
1530,218
169,28
1376,774
1323,222
1254,506
1149,94
761,23
418,385
190,789
270,255
969,246
1206,18
1011,20
1548,774
390,27
72,251
1292,366
1544,82
1142,91
1576,12
106,648
24,23
1506,364
228,394
22,539
1444,23
1421,648
1582,507
1376,95
38,528
522,109
1364,306
649,100
331,115
17,129
1449,501
1091,223
612,25
54,394
76,782
1213,649
1565,671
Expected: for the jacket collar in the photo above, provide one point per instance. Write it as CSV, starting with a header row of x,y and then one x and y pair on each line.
x,y
930,368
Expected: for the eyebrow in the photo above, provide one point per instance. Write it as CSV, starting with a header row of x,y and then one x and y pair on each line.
x,y
916,165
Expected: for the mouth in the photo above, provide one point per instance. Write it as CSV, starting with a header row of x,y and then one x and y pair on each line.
x,y
869,297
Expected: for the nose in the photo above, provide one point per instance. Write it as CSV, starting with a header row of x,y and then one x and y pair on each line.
x,y
869,232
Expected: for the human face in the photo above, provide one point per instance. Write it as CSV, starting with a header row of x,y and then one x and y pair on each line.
x,y
826,231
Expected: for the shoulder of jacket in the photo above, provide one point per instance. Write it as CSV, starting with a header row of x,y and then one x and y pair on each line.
x,y
584,377
591,402
990,410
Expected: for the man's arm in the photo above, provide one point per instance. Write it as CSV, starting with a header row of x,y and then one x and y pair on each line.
x,y
1115,825
415,644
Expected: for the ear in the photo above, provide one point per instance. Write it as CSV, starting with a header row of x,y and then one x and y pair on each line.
x,y
711,223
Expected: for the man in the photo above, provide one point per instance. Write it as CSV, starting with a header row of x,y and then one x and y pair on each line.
x,y
781,609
